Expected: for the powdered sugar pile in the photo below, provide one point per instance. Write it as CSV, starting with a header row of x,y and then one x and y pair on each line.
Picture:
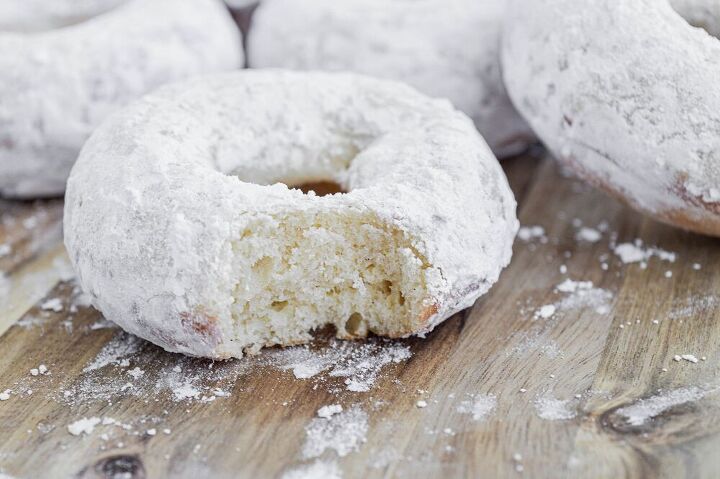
x,y
480,406
344,433
359,363
551,408
645,409
328,411
583,294
83,426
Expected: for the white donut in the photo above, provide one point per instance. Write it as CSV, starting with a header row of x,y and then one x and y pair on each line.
x,y
624,93
447,49
39,15
174,243
57,85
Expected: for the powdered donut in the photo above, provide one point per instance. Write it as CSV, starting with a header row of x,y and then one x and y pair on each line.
x,y
38,15
447,49
57,85
179,229
625,94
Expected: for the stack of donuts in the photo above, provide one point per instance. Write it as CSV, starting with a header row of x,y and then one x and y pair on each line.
x,y
188,215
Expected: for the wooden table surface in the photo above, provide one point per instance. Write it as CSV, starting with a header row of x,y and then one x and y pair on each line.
x,y
588,386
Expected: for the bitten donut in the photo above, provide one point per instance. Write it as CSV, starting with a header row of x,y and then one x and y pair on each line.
x,y
179,223
444,48
56,85
625,94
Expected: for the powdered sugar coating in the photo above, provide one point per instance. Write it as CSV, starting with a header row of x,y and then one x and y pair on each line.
x,y
446,49
161,190
58,85
623,93
39,15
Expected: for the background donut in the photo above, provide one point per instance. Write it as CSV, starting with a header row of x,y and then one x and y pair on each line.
x,y
447,49
625,94
39,15
59,84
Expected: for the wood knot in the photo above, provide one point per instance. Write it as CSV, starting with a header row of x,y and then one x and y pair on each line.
x,y
650,420
122,466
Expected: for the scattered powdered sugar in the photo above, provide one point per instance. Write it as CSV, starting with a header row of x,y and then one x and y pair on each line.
x,y
317,470
570,286
480,406
359,363
179,377
694,306
645,409
551,408
634,253
136,373
529,233
85,425
118,348
182,386
343,432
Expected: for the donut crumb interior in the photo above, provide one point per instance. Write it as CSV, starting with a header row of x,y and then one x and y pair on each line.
x,y
301,272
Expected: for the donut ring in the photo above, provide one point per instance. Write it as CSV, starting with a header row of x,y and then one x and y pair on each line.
x,y
624,93
175,245
447,49
57,85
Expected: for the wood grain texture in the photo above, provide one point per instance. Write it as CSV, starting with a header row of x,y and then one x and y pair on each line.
x,y
578,363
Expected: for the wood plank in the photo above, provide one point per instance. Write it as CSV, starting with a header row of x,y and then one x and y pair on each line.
x,y
520,367
32,259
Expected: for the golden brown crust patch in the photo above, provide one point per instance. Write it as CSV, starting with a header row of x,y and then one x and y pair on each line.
x,y
708,224
203,325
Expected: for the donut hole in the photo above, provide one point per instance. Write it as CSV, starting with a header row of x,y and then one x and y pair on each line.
x,y
301,272
320,188
19,15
